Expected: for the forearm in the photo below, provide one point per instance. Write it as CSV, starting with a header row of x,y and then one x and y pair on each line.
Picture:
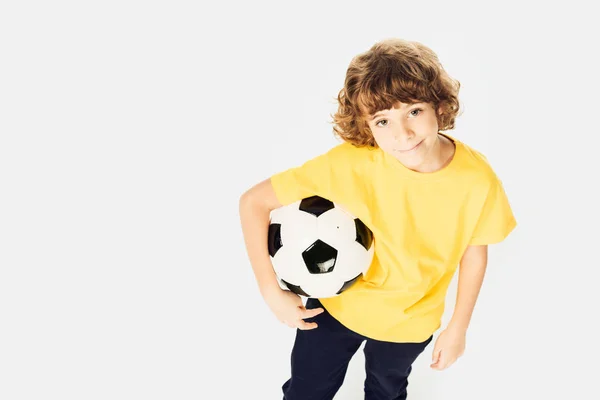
x,y
470,278
255,227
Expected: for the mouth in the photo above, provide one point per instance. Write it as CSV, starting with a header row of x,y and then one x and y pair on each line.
x,y
411,149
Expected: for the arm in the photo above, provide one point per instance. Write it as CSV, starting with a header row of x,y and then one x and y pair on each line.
x,y
470,278
255,208
494,223
451,342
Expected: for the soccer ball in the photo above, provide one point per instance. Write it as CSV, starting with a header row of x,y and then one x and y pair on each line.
x,y
317,248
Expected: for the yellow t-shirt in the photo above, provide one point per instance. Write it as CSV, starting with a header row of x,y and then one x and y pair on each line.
x,y
421,223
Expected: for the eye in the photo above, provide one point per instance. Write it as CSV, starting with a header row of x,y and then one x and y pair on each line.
x,y
381,120
414,113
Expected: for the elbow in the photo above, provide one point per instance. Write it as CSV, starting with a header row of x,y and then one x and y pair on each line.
x,y
245,200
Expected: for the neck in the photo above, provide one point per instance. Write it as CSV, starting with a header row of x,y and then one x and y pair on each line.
x,y
445,153
441,154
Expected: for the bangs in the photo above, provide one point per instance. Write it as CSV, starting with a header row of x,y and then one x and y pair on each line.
x,y
382,93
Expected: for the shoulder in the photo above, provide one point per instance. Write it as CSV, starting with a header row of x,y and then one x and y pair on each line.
x,y
349,150
477,162
476,167
351,155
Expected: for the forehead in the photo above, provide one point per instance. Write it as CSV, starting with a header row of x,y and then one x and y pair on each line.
x,y
398,105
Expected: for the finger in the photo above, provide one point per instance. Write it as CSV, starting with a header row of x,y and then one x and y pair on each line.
x,y
437,366
441,361
306,326
313,312
436,360
435,356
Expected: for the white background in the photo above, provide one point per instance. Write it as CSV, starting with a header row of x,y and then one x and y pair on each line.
x,y
130,129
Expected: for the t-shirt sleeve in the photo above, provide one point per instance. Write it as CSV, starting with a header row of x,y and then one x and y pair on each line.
x,y
311,178
496,219
333,175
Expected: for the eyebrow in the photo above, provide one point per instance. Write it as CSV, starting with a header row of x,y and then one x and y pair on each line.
x,y
385,112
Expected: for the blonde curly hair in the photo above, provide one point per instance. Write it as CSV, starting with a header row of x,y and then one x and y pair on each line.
x,y
393,70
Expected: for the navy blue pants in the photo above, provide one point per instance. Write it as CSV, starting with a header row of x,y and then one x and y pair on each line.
x,y
320,358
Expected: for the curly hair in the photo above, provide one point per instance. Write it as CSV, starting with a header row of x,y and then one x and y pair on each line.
x,y
393,70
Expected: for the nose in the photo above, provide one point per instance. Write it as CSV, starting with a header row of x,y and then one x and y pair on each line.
x,y
402,128
403,133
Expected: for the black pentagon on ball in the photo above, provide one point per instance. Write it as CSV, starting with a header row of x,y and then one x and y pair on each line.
x,y
295,289
316,205
349,283
364,236
274,239
319,257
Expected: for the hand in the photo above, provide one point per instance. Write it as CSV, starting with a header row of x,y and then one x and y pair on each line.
x,y
449,345
289,309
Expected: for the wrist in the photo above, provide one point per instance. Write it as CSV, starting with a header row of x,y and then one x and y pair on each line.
x,y
458,326
269,290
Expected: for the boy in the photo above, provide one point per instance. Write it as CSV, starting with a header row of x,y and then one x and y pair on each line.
x,y
432,202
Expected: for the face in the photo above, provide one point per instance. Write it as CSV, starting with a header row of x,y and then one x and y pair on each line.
x,y
409,132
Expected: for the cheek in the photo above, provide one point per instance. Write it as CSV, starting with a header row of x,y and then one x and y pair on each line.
x,y
383,141
378,138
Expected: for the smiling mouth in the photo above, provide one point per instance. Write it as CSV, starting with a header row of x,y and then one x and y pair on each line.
x,y
412,148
